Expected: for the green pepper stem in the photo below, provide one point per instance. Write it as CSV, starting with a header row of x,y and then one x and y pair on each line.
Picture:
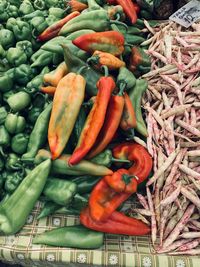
x,y
122,87
81,69
127,44
93,60
127,178
120,160
2,152
106,71
119,23
131,135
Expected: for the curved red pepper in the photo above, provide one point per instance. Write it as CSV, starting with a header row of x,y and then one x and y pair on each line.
x,y
104,201
118,223
142,161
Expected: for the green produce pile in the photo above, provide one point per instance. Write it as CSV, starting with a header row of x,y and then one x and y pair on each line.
x,y
27,85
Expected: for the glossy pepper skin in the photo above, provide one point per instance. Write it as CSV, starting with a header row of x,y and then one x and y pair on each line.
x,y
26,7
30,188
19,143
7,38
85,183
100,59
6,82
25,46
108,41
75,236
23,74
61,166
21,29
15,56
44,59
129,9
38,23
13,179
60,191
67,102
111,124
3,115
103,201
136,97
94,121
53,77
53,30
128,118
117,223
142,161
13,162
122,181
74,5
74,64
19,101
5,137
85,21
15,123
38,135
127,78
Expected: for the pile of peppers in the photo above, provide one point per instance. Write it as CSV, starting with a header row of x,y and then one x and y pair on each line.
x,y
70,110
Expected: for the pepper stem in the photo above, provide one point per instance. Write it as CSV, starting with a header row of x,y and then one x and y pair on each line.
x,y
81,69
122,86
119,23
105,69
131,135
28,160
93,60
127,44
127,178
120,160
2,152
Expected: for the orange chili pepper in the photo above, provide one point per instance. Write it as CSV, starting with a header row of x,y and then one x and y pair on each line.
x,y
67,102
50,90
128,119
56,75
74,5
54,29
95,119
100,59
111,123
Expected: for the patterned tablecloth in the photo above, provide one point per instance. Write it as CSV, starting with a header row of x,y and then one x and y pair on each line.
x,y
120,251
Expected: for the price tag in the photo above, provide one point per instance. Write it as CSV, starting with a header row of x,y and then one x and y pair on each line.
x,y
187,14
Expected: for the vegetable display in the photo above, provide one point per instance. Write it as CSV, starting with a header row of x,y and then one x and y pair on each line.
x,y
97,103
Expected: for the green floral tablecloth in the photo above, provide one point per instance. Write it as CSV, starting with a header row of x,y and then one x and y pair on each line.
x,y
120,251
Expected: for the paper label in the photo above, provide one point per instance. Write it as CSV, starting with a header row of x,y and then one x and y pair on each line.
x,y
187,14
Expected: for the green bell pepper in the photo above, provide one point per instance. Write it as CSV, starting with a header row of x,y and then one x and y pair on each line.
x,y
21,29
15,2
13,162
7,11
79,202
19,143
85,183
75,236
5,137
19,101
13,179
36,13
14,210
56,12
39,4
38,135
7,38
6,82
51,19
25,46
16,56
33,114
14,123
60,191
26,7
3,114
23,74
38,24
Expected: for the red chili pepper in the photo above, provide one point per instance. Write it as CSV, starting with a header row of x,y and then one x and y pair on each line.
x,y
118,223
128,119
137,7
95,120
111,123
104,201
54,29
122,181
142,161
108,41
129,9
